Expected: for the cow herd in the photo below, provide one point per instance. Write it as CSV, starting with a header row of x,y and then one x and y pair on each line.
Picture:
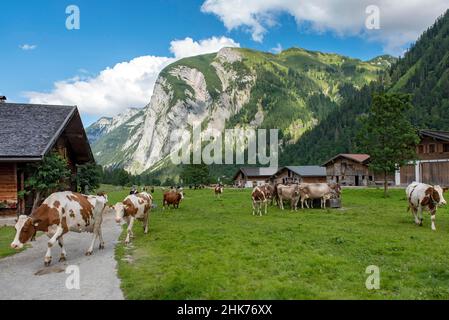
x,y
64,212
305,193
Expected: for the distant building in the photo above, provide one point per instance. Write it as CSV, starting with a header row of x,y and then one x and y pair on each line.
x,y
432,166
300,174
27,134
252,176
349,170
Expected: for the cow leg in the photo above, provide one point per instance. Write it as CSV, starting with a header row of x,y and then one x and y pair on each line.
x,y
51,243
63,253
100,235
415,214
254,207
432,217
146,219
91,248
420,217
266,204
129,231
281,203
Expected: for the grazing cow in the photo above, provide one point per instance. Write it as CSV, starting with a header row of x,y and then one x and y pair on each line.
x,y
423,196
135,206
59,214
173,198
290,192
259,198
314,191
336,188
218,191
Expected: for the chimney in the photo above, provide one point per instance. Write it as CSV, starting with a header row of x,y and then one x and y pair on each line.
x,y
2,99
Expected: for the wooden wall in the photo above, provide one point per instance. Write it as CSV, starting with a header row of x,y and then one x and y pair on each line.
x,y
314,180
408,174
348,172
435,173
430,149
8,183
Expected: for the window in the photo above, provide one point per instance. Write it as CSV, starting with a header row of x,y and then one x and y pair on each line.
x,y
446,147
420,148
431,148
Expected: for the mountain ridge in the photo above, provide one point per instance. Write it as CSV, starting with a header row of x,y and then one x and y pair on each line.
x,y
293,91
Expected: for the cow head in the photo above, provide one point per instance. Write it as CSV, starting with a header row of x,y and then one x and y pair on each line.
x,y
25,231
119,211
441,201
104,195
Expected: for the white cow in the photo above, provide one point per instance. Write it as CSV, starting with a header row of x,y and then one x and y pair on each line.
x,y
313,191
59,214
424,196
290,192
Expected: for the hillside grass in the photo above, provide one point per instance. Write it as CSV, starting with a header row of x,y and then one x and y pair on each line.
x,y
216,249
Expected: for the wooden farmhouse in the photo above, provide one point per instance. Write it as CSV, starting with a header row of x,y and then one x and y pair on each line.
x,y
349,170
300,174
432,166
28,133
253,176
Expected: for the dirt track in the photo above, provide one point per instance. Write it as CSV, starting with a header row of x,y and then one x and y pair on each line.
x,y
23,276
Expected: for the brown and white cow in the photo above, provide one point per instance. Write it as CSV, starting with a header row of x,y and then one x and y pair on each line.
x,y
134,207
60,213
218,191
290,193
424,196
259,198
270,192
173,197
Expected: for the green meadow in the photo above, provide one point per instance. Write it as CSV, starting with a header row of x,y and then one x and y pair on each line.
x,y
216,249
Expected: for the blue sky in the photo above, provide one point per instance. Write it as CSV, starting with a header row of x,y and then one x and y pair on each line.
x,y
114,31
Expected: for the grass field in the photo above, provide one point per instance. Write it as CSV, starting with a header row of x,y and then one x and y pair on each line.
x,y
6,237
215,249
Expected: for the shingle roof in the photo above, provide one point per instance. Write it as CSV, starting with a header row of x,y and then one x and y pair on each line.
x,y
358,157
440,135
28,131
258,172
308,171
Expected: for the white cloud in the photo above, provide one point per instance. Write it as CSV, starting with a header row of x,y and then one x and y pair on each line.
x,y
127,84
401,22
28,47
277,49
188,47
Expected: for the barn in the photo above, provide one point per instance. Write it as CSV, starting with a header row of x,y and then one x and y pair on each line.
x,y
432,165
253,176
300,174
349,170
28,133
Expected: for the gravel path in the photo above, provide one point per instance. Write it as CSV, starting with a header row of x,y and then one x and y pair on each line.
x,y
23,276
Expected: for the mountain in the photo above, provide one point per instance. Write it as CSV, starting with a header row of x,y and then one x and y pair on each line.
x,y
423,72
294,91
107,124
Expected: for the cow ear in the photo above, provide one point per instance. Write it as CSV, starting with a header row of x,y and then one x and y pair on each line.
x,y
425,201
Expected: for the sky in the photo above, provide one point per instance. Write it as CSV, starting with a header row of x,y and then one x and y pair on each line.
x,y
112,60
